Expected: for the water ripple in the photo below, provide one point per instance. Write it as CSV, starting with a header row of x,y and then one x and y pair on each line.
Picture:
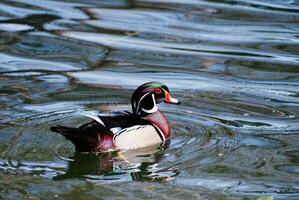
x,y
233,64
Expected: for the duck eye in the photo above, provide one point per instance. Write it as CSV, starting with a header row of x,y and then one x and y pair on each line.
x,y
158,91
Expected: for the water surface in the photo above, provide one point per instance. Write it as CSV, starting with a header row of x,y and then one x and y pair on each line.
x,y
234,65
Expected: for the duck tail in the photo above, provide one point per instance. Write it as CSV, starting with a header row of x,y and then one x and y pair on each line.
x,y
82,142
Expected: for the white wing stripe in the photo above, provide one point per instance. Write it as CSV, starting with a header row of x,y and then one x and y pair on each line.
x,y
96,118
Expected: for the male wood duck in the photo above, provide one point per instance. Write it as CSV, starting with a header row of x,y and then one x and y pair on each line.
x,y
145,126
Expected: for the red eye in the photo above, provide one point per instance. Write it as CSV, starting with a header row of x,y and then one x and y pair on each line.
x,y
158,91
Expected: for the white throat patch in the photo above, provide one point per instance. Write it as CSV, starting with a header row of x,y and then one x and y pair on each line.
x,y
154,108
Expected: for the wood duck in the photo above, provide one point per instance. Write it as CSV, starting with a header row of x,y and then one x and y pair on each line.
x,y
145,126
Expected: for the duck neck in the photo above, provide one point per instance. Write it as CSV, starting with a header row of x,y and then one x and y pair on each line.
x,y
160,121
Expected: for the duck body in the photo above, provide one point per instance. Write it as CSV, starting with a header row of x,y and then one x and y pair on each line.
x,y
144,127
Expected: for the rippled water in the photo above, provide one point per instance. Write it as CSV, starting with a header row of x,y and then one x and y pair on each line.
x,y
234,65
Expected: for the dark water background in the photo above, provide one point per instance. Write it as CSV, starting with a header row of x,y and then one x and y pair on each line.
x,y
234,64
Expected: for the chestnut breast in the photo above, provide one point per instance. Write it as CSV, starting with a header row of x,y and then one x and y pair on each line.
x,y
160,120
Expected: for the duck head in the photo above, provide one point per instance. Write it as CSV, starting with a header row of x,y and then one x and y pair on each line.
x,y
146,97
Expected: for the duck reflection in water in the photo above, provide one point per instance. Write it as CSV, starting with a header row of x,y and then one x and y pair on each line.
x,y
135,137
138,163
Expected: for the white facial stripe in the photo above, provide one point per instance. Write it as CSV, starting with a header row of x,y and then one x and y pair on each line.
x,y
154,109
141,100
